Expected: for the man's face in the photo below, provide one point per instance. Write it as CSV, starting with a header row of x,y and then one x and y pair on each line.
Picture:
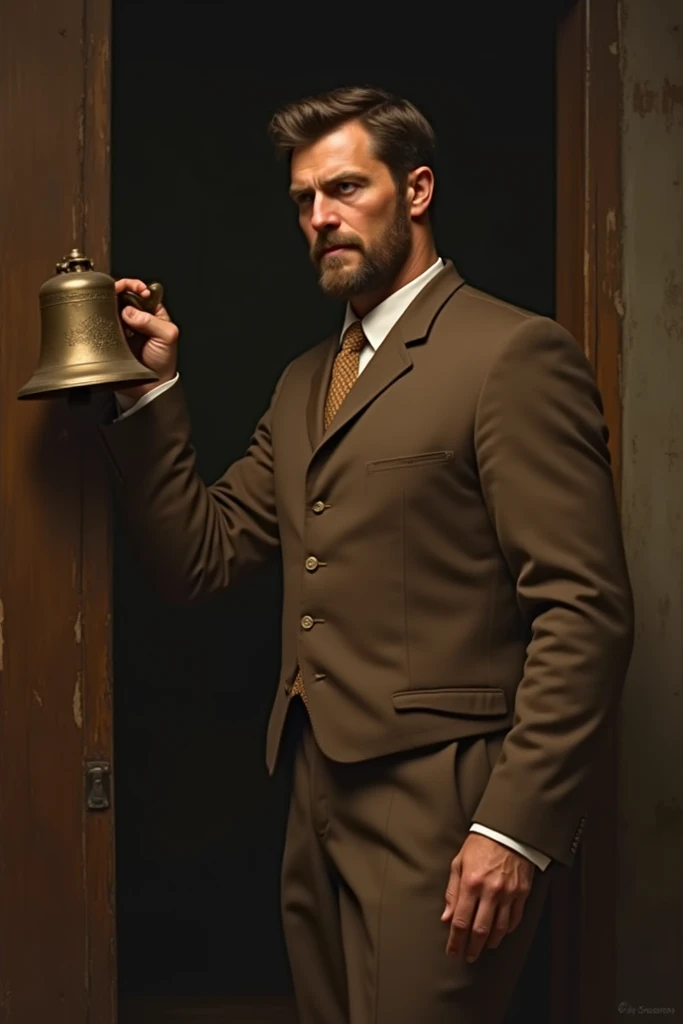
x,y
356,224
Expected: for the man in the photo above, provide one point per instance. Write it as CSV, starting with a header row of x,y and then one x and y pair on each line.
x,y
457,615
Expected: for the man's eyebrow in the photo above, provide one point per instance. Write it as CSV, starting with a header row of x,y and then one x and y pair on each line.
x,y
298,190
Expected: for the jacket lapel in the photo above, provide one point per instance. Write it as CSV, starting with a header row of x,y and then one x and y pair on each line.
x,y
388,364
320,382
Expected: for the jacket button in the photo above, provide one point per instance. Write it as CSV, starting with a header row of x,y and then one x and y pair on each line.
x,y
318,507
307,622
312,563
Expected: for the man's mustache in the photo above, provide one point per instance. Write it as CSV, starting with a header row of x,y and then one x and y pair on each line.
x,y
322,245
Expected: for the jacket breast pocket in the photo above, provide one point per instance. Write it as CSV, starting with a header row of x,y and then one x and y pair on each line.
x,y
408,461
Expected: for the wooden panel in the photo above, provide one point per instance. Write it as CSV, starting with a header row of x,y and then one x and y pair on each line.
x,y
588,286
55,606
604,218
97,541
589,304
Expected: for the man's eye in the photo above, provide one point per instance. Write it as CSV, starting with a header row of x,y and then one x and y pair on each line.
x,y
304,199
346,187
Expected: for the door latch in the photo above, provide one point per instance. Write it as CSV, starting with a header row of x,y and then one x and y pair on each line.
x,y
97,776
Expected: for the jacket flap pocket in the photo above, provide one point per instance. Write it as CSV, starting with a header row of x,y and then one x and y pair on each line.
x,y
408,461
456,700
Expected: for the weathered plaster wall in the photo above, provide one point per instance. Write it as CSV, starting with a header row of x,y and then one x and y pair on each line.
x,y
650,869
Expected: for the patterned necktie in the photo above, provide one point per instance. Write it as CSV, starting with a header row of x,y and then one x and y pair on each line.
x,y
344,375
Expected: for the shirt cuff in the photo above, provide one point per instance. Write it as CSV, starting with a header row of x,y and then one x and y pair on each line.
x,y
127,405
541,860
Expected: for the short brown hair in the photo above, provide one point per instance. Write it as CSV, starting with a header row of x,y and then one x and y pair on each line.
x,y
402,136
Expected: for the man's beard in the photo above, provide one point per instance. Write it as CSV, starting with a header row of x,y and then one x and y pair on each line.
x,y
379,263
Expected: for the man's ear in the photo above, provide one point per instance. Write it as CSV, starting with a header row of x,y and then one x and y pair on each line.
x,y
420,191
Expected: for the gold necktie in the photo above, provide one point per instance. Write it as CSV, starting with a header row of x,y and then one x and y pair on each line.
x,y
344,376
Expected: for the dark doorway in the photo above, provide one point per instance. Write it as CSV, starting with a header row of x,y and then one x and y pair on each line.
x,y
200,203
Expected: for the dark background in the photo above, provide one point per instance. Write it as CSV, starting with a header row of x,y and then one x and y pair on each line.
x,y
199,202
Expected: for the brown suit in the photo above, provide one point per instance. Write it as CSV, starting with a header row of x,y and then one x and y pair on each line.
x,y
452,555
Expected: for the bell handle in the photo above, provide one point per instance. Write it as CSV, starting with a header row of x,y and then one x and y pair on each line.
x,y
147,305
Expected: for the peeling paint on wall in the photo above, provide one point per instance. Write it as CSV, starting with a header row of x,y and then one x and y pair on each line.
x,y
666,99
612,284
672,306
644,98
672,102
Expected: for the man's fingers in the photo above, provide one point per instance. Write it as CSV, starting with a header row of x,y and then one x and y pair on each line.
x,y
501,926
481,928
151,326
452,890
131,284
451,900
462,919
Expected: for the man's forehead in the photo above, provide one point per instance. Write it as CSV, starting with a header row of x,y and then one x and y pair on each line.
x,y
344,150
320,177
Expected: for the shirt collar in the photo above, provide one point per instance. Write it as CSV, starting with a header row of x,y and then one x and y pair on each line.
x,y
380,320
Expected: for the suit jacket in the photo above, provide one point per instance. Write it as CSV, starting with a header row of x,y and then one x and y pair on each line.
x,y
451,547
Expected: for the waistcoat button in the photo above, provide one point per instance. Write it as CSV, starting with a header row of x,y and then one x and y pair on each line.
x,y
311,563
307,622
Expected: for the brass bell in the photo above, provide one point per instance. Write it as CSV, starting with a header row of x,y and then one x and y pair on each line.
x,y
82,340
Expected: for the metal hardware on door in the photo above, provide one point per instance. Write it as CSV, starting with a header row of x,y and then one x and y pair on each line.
x,y
97,785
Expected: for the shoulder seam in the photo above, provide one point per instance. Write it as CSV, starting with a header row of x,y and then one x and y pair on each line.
x,y
524,313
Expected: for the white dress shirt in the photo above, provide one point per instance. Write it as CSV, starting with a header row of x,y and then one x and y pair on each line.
x,y
376,326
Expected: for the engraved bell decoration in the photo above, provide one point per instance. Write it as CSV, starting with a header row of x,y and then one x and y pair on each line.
x,y
82,340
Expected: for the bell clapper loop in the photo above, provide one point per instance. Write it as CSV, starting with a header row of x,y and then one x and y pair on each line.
x,y
75,262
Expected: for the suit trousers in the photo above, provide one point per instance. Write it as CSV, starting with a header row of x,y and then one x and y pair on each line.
x,y
367,857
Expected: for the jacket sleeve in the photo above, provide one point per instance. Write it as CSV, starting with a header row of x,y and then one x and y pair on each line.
x,y
192,538
544,465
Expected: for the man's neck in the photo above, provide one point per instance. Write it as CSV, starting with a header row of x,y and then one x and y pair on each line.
x,y
417,263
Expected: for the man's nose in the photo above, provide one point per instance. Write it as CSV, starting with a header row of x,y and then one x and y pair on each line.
x,y
324,213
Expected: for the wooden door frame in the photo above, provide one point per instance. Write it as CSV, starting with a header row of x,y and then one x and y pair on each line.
x,y
588,303
97,540
57,924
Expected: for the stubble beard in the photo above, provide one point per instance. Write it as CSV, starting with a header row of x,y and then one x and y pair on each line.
x,y
378,265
